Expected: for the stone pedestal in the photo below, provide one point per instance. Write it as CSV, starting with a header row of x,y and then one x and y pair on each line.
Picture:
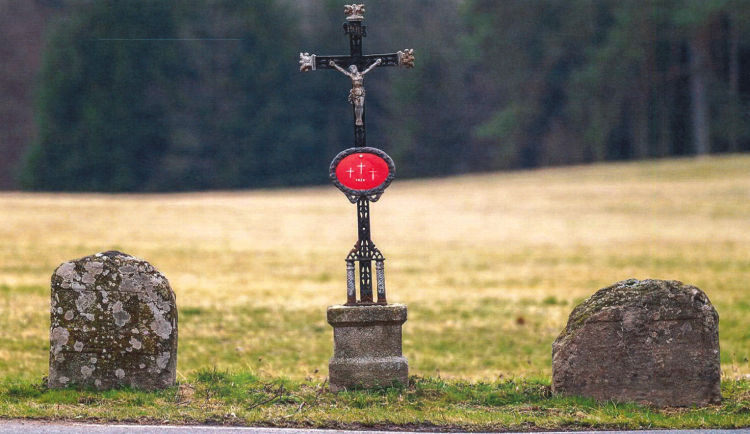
x,y
367,347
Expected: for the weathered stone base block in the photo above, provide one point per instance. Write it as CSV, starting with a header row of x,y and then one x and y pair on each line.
x,y
648,341
367,347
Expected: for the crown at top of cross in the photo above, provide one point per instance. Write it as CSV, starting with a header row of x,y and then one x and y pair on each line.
x,y
354,12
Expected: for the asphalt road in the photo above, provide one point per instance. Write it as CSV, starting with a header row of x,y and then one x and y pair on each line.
x,y
24,427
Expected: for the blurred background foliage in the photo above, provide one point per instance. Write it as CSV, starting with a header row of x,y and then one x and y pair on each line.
x,y
161,95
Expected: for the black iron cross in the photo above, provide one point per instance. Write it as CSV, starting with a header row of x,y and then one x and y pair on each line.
x,y
355,66
356,31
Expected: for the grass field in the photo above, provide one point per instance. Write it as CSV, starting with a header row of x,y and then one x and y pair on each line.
x,y
489,265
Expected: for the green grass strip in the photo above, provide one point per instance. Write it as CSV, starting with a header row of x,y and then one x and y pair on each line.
x,y
213,396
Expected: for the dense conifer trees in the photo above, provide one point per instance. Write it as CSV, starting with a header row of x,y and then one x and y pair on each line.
x,y
156,95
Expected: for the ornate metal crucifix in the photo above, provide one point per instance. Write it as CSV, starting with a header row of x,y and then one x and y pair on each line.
x,y
356,65
362,173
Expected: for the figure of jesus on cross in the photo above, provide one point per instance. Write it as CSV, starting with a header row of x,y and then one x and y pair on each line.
x,y
360,188
357,94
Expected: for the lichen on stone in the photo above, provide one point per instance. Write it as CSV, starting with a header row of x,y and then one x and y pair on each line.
x,y
121,317
115,311
643,293
58,337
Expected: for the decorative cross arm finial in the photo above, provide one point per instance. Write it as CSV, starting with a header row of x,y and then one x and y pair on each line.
x,y
406,58
354,12
306,62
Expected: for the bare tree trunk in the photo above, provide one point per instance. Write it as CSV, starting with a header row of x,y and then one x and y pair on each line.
x,y
640,126
22,27
666,101
734,86
699,75
648,96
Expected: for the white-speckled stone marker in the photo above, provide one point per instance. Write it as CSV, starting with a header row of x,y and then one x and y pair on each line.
x,y
367,347
113,324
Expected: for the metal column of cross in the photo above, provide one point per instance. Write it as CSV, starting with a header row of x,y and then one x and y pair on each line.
x,y
364,250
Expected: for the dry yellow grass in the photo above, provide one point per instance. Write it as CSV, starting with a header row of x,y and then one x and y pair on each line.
x,y
477,259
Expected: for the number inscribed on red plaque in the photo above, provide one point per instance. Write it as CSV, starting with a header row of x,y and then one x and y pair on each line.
x,y
362,171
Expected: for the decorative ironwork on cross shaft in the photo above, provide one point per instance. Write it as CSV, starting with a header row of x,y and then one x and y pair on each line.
x,y
361,173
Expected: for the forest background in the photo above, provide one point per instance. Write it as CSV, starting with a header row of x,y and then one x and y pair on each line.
x,y
161,95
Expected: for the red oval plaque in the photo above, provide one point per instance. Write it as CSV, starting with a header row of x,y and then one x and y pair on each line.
x,y
362,171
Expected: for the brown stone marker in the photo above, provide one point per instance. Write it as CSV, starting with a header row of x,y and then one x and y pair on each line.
x,y
113,323
648,341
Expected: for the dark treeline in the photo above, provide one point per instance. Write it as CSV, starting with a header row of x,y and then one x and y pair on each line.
x,y
158,95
